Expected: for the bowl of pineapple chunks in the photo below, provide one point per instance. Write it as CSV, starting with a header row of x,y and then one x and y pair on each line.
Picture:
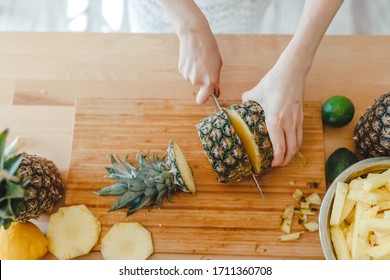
x,y
354,220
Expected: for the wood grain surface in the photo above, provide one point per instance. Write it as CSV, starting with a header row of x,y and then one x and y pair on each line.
x,y
54,69
219,219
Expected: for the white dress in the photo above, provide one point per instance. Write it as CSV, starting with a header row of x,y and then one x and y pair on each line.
x,y
224,16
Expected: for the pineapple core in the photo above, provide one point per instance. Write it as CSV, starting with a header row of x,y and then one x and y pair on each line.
x,y
184,168
247,139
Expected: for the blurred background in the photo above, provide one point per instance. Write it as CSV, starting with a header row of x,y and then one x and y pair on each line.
x,y
146,16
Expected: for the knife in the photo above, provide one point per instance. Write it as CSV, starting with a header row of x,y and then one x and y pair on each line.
x,y
253,176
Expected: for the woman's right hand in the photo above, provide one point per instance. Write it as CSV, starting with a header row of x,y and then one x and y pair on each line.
x,y
200,61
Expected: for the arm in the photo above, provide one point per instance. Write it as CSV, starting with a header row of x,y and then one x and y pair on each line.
x,y
199,59
280,92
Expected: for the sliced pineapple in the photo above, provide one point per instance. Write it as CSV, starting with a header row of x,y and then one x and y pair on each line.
x,y
223,148
127,241
247,118
179,166
73,231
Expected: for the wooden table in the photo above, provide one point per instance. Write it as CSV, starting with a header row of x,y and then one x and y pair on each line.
x,y
42,74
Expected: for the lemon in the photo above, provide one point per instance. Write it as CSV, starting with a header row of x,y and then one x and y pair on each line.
x,y
338,111
22,241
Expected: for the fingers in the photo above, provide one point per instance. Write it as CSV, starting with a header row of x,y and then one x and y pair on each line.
x,y
277,137
204,94
286,140
248,95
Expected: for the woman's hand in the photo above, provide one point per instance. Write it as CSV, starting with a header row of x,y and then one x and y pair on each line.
x,y
200,61
280,93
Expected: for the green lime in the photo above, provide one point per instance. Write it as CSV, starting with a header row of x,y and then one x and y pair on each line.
x,y
337,162
337,111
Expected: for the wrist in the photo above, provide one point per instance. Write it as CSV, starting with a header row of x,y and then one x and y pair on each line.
x,y
189,25
298,60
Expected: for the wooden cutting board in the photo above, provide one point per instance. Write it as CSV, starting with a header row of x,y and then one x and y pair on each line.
x,y
219,219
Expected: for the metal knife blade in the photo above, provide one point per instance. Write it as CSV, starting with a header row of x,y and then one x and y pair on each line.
x,y
253,176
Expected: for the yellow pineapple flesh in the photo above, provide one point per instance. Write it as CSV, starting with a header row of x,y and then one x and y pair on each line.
x,y
247,140
73,231
127,241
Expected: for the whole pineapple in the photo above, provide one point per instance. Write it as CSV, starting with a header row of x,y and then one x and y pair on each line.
x,y
150,181
372,132
29,185
236,142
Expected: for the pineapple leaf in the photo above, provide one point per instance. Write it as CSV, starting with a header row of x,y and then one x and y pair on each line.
x,y
151,192
115,189
13,191
111,170
6,223
12,163
3,138
14,146
137,186
144,201
159,200
125,200
6,211
17,206
127,165
117,166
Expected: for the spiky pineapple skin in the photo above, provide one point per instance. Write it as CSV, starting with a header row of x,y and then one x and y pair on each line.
x,y
253,115
372,132
171,162
223,148
44,189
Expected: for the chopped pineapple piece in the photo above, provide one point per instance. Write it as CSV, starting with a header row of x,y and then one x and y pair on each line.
x,y
338,203
347,209
302,219
308,211
127,241
375,182
297,195
339,243
311,226
314,198
287,218
305,204
379,251
291,236
356,184
72,232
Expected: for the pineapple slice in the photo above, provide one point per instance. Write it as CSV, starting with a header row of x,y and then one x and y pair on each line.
x,y
72,232
180,168
127,241
248,120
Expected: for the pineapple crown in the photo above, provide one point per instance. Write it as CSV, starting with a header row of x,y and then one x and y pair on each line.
x,y
12,185
146,184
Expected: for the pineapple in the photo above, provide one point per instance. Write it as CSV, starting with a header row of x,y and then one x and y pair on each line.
x,y
224,148
73,231
182,176
372,136
29,185
148,183
127,241
248,120
236,142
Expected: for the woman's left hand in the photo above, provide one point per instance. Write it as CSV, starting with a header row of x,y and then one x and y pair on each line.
x,y
280,93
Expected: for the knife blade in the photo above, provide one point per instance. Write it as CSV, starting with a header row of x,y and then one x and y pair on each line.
x,y
253,176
